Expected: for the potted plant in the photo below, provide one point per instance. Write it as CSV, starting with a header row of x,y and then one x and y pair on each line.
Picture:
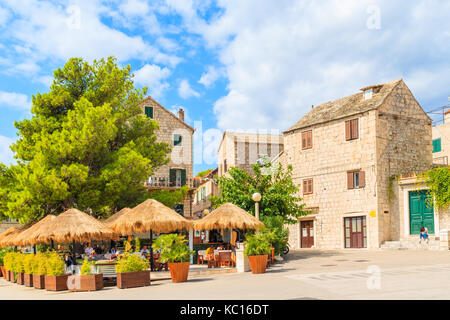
x,y
8,261
39,270
174,250
132,271
3,272
55,277
88,281
257,247
18,267
28,261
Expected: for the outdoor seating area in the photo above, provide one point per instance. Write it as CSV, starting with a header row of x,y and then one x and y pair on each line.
x,y
76,252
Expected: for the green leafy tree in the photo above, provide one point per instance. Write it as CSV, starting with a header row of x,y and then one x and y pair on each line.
x,y
87,145
170,198
201,174
438,180
279,193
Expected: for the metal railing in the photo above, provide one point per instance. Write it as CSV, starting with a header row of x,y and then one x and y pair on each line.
x,y
441,161
166,182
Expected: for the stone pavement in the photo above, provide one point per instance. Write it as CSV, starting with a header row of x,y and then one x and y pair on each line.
x,y
305,274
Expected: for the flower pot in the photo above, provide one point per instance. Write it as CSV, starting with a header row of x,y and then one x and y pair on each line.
x,y
56,283
2,272
28,280
133,279
12,277
38,281
258,264
92,282
179,271
20,279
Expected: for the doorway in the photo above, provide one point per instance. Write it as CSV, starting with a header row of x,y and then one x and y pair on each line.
x,y
307,233
355,232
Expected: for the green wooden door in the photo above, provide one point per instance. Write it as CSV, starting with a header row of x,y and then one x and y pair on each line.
x,y
420,214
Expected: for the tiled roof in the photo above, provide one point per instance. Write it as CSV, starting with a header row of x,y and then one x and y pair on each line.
x,y
345,107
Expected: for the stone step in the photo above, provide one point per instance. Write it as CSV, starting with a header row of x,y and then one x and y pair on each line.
x,y
432,244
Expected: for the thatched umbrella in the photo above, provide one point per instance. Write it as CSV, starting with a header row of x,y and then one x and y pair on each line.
x,y
108,222
75,226
30,235
228,216
150,216
8,237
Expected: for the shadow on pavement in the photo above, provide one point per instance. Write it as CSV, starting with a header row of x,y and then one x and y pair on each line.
x,y
309,253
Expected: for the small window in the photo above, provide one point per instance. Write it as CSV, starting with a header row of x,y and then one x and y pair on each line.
x,y
351,129
437,145
149,112
177,139
368,94
308,186
356,179
307,140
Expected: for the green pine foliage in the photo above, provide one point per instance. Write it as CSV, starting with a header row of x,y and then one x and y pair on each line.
x,y
173,248
87,145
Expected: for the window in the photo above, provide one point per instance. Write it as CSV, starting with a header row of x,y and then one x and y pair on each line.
x,y
307,140
356,179
308,186
351,129
437,145
368,94
177,139
149,112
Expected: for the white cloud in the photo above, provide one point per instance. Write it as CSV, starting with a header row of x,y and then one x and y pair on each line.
x,y
209,77
185,91
153,76
52,31
6,155
283,57
15,100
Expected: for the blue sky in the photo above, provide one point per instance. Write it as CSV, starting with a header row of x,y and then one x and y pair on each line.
x,y
233,65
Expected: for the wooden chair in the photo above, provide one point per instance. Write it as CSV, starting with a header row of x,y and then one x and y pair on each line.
x,y
225,259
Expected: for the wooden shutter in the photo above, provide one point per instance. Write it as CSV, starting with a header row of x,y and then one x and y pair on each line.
x,y
348,135
355,129
303,140
362,179
307,139
350,180
310,185
183,177
172,177
305,186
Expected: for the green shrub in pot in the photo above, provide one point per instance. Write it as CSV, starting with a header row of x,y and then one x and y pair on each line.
x,y
28,263
173,248
54,265
129,262
257,245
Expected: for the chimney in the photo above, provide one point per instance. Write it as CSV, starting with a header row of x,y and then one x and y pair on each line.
x,y
181,114
447,116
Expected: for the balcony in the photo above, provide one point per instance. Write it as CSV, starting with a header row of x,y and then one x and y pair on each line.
x,y
440,161
164,182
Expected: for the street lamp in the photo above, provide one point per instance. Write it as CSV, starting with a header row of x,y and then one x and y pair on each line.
x,y
257,198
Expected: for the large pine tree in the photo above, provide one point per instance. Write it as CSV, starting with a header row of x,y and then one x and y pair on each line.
x,y
87,145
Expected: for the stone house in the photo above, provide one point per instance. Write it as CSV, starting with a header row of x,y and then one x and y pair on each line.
x,y
242,150
345,155
441,141
179,135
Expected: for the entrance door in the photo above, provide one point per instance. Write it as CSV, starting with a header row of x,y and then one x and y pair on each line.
x,y
355,232
420,213
307,230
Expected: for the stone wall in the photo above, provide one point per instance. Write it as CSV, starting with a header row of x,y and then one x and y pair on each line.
x,y
443,131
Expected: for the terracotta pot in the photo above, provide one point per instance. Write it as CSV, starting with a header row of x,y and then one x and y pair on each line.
x,y
133,279
56,283
258,264
2,271
7,275
179,271
12,277
92,282
38,281
20,278
28,280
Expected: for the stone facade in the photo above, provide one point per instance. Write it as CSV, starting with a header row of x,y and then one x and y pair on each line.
x,y
442,132
394,137
181,156
241,150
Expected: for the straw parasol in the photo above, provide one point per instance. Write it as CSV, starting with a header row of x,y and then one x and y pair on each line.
x,y
7,238
75,225
228,216
150,215
30,235
108,222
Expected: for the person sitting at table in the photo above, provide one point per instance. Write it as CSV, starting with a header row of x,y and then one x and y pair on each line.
x,y
88,250
98,250
145,251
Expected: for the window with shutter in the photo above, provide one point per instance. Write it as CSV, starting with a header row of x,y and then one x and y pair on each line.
x,y
351,129
307,186
149,112
177,138
350,180
436,145
356,179
307,139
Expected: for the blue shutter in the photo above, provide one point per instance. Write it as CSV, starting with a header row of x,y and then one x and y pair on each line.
x,y
437,145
